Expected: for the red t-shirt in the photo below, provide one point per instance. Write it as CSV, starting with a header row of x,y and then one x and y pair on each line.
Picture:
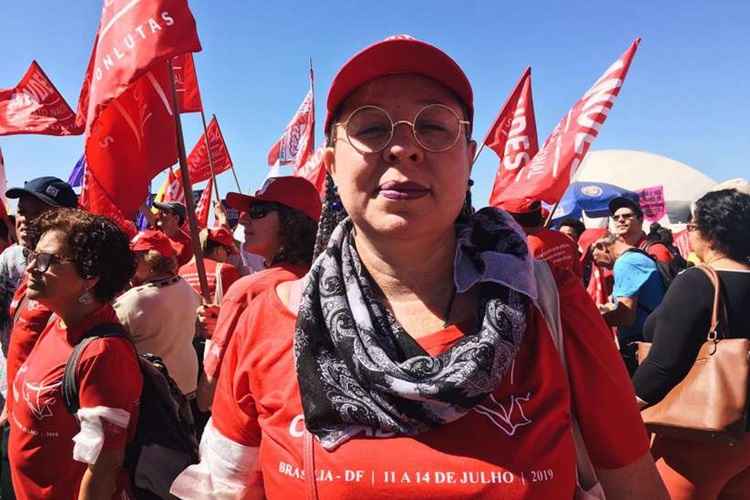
x,y
517,444
234,303
556,248
229,274
42,429
29,320
183,245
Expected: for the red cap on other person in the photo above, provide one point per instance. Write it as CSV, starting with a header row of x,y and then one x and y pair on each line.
x,y
223,237
522,206
293,192
398,55
151,239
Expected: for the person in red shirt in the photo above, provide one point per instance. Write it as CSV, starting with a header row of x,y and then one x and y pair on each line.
x,y
170,219
79,262
544,244
411,360
284,237
628,218
217,244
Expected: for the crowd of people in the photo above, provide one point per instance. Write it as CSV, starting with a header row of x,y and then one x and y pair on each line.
x,y
388,341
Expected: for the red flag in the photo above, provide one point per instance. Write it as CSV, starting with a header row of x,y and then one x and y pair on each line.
x,y
95,199
130,129
133,139
200,168
314,171
35,106
186,84
296,143
132,37
204,204
174,190
551,170
513,136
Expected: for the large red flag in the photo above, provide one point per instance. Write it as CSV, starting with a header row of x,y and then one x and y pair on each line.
x,y
296,143
125,101
198,164
513,136
314,171
35,106
551,170
133,139
204,205
186,84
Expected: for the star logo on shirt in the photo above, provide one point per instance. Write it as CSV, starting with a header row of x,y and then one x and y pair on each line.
x,y
508,417
40,397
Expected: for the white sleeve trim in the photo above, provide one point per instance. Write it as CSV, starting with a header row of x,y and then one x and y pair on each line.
x,y
90,440
223,473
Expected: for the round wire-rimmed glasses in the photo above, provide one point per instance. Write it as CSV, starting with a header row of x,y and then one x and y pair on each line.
x,y
436,128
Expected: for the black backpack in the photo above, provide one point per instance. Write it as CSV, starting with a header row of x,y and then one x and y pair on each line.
x,y
165,440
668,272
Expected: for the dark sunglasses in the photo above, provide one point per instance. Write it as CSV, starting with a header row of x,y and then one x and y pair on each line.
x,y
41,261
260,210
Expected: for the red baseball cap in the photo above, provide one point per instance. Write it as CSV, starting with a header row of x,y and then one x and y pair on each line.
x,y
398,55
151,239
223,237
294,192
521,206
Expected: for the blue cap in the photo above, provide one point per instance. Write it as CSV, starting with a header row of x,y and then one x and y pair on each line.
x,y
50,190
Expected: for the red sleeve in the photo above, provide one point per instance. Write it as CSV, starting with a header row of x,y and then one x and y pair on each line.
x,y
229,274
602,392
232,306
109,376
234,413
660,253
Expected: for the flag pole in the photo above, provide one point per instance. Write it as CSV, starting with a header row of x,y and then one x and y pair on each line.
x,y
210,156
312,89
188,189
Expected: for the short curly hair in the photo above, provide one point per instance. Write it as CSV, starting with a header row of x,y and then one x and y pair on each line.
x,y
95,244
723,218
297,235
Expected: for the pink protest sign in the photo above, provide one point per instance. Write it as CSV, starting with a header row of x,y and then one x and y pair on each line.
x,y
652,203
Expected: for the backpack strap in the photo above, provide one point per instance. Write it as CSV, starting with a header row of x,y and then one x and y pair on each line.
x,y
70,384
548,302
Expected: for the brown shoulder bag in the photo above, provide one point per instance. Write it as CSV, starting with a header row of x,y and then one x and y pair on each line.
x,y
711,401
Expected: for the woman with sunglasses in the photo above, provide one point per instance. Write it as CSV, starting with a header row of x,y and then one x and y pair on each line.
x,y
410,361
280,223
719,233
79,263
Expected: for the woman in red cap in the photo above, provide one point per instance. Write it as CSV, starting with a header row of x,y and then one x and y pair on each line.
x,y
160,310
413,361
280,223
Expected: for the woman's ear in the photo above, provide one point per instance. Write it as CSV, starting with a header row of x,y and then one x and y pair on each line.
x,y
329,156
471,151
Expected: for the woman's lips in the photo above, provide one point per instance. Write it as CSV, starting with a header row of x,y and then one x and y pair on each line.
x,y
403,190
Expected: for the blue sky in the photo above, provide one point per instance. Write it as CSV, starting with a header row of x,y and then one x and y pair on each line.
x,y
686,96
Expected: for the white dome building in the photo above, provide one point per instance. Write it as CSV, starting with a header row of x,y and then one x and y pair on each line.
x,y
635,170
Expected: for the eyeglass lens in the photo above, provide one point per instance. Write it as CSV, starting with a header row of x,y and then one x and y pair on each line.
x,y
42,260
436,128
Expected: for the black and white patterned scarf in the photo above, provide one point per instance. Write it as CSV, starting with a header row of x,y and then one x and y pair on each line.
x,y
360,372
